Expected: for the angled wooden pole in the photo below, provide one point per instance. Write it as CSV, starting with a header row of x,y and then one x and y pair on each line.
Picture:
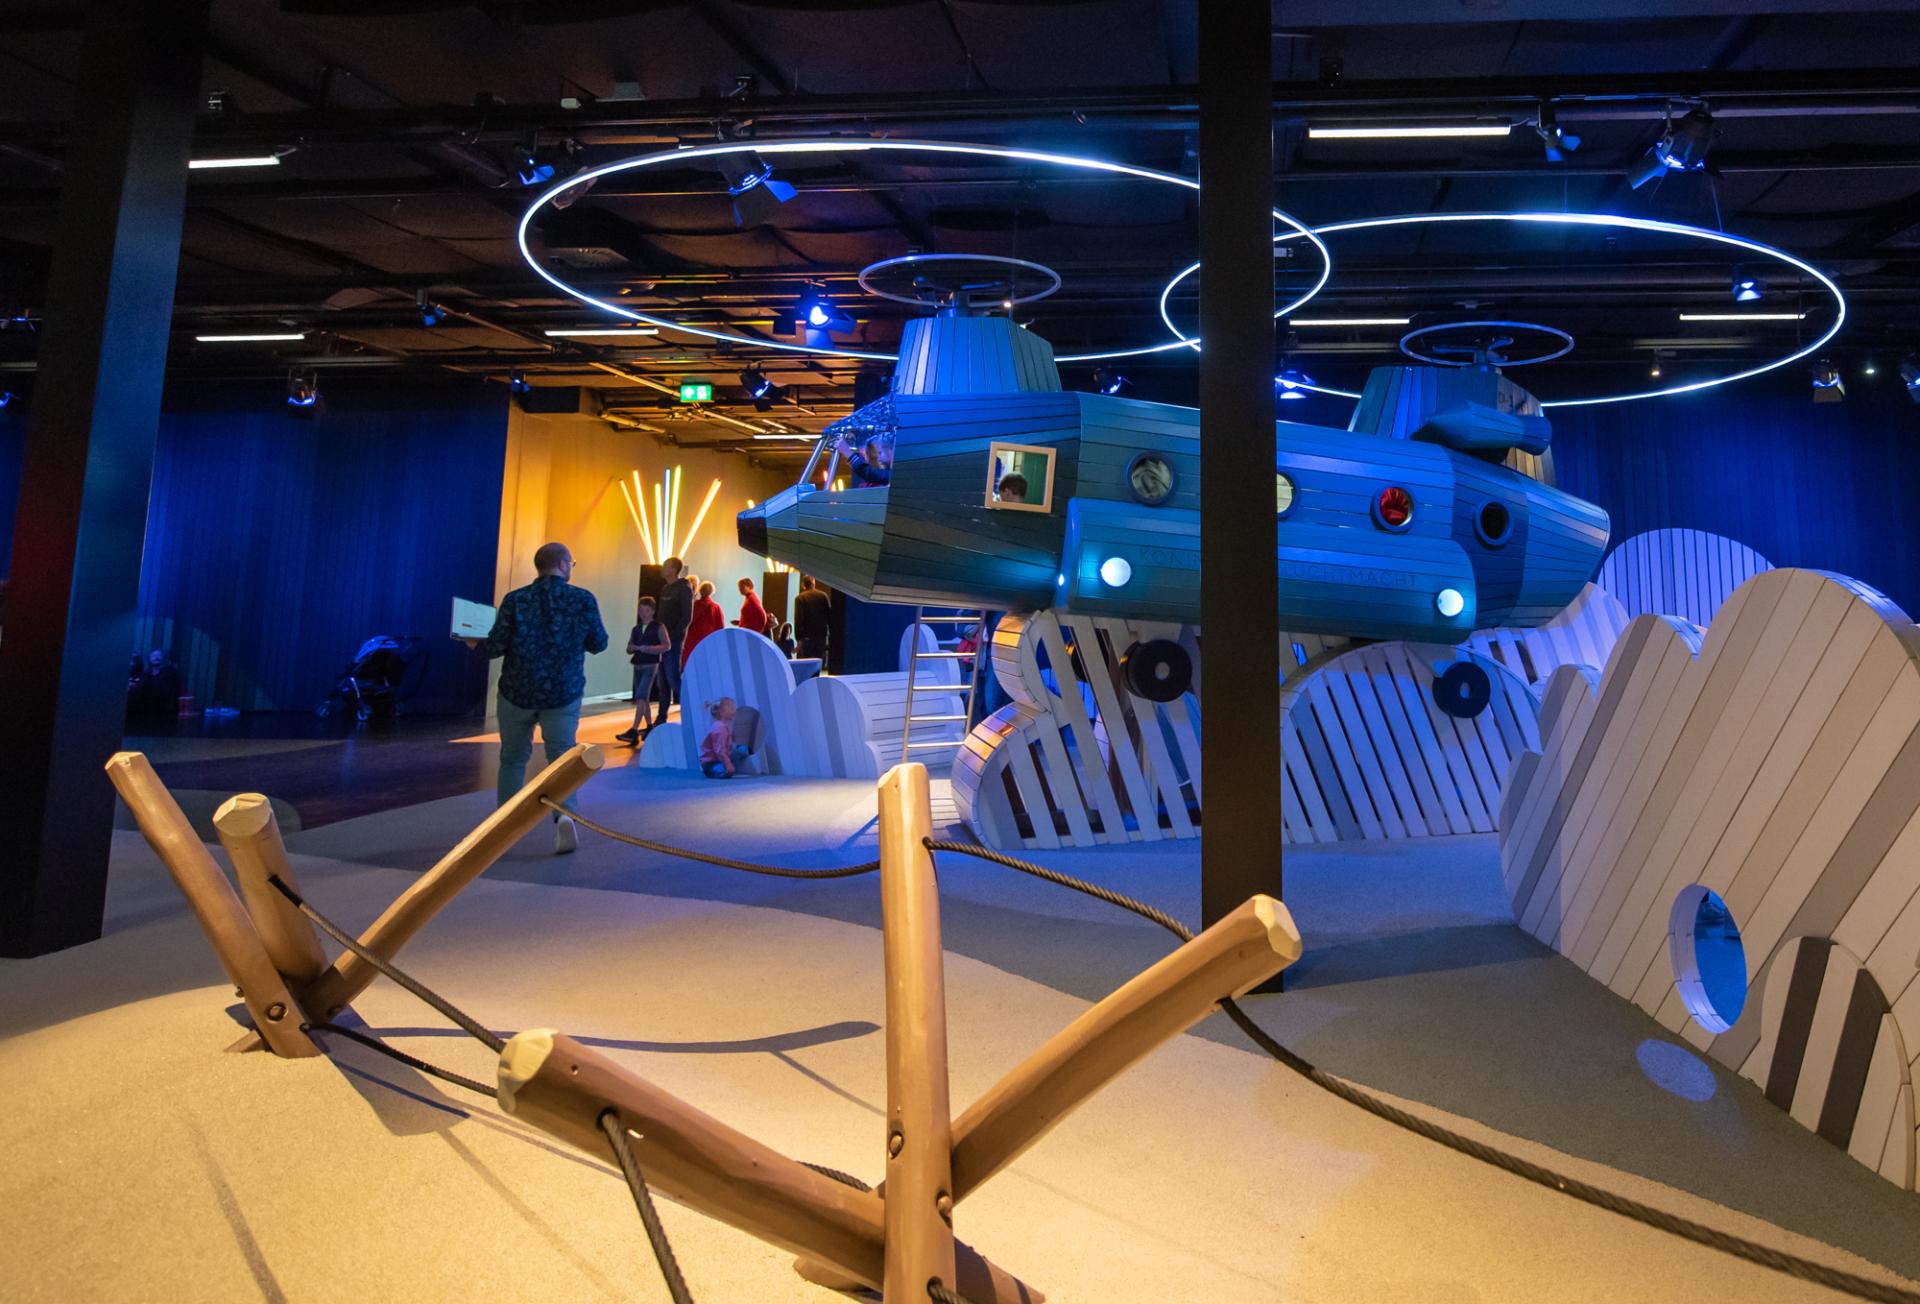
x,y
412,910
919,1199
251,835
1245,948
277,1016
562,1087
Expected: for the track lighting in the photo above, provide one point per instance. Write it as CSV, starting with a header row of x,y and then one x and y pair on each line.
x,y
1292,382
760,391
1682,147
431,313
757,195
303,394
536,164
517,383
1828,385
1108,381
815,317
1557,143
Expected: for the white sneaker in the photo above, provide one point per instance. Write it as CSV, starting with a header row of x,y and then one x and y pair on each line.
x,y
565,839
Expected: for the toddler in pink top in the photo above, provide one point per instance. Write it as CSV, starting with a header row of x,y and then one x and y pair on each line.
x,y
719,754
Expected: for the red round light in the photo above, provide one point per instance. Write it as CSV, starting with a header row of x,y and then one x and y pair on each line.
x,y
1394,507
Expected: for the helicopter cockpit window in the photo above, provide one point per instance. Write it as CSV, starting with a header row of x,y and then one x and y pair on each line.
x,y
1020,478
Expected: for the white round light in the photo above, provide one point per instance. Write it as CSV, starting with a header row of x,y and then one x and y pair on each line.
x,y
1116,571
1450,603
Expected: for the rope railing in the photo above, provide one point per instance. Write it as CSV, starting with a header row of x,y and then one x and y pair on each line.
x,y
1781,1261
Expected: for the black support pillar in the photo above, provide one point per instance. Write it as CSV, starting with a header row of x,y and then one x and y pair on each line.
x,y
89,465
1239,595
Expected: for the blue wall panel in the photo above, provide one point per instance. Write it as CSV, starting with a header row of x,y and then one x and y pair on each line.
x,y
1829,486
276,546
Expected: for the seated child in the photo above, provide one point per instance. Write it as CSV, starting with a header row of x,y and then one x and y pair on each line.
x,y
719,754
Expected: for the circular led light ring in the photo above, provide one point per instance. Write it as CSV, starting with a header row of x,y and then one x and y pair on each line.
x,y
1565,348
911,259
837,145
1578,219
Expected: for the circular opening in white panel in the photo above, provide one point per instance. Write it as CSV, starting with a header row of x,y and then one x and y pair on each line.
x,y
1709,960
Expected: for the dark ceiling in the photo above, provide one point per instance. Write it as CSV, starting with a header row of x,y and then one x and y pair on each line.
x,y
402,120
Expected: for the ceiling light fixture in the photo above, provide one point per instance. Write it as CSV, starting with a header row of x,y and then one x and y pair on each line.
x,y
760,390
247,161
1110,382
580,332
804,438
1828,385
1557,143
1682,147
1743,316
1747,289
1410,131
260,337
1348,321
1910,376
1294,384
303,394
757,195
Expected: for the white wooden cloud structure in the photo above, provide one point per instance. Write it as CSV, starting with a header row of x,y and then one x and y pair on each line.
x,y
1776,761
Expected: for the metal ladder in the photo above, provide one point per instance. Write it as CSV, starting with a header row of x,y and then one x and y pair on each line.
x,y
946,653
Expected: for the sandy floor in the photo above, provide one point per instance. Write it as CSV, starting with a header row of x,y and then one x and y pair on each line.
x,y
147,1163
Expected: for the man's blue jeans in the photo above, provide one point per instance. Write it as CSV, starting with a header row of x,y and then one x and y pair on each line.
x,y
558,724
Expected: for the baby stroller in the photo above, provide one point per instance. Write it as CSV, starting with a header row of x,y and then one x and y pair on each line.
x,y
382,673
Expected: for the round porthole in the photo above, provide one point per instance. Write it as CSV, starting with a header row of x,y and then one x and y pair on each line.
x,y
1282,493
1709,960
1493,523
1150,479
1159,670
1393,509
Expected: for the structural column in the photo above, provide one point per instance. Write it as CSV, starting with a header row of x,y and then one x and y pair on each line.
x,y
89,465
1239,595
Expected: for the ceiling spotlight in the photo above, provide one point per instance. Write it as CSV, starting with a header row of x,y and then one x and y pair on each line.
x,y
6,397
518,383
816,318
1871,369
757,194
1748,288
1292,382
1682,147
1108,381
1828,387
1655,369
536,164
1557,143
431,313
1910,376
303,394
761,391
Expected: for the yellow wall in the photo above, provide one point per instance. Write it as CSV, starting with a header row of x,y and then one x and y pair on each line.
x,y
560,484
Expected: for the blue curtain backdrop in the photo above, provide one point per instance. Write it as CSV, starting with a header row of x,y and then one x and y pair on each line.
x,y
275,546
1828,486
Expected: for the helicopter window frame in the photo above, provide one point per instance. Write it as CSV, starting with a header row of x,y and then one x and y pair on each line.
x,y
994,460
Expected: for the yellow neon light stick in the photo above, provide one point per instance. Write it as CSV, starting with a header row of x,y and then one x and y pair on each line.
x,y
712,490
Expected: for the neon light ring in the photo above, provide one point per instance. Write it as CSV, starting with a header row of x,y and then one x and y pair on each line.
x,y
997,270
1490,353
832,145
1749,248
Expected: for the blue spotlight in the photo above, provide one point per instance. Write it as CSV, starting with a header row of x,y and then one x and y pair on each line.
x,y
1910,376
817,315
6,397
1108,381
1682,147
1748,289
303,394
1293,382
431,313
756,192
517,383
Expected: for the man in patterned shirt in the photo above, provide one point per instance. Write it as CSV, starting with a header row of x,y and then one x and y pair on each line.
x,y
544,631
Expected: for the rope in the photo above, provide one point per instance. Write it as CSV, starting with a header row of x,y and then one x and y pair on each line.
x,y
1781,1261
643,1201
747,866
413,1062
942,1295
452,1012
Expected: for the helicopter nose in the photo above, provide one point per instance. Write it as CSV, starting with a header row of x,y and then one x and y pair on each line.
x,y
752,527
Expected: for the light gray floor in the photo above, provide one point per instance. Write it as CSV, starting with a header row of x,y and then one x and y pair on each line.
x,y
1415,979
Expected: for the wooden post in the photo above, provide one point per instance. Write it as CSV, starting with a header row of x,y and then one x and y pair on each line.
x,y
1245,948
412,910
251,835
919,1200
562,1087
276,1015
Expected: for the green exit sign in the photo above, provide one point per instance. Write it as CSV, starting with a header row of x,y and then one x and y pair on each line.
x,y
696,391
